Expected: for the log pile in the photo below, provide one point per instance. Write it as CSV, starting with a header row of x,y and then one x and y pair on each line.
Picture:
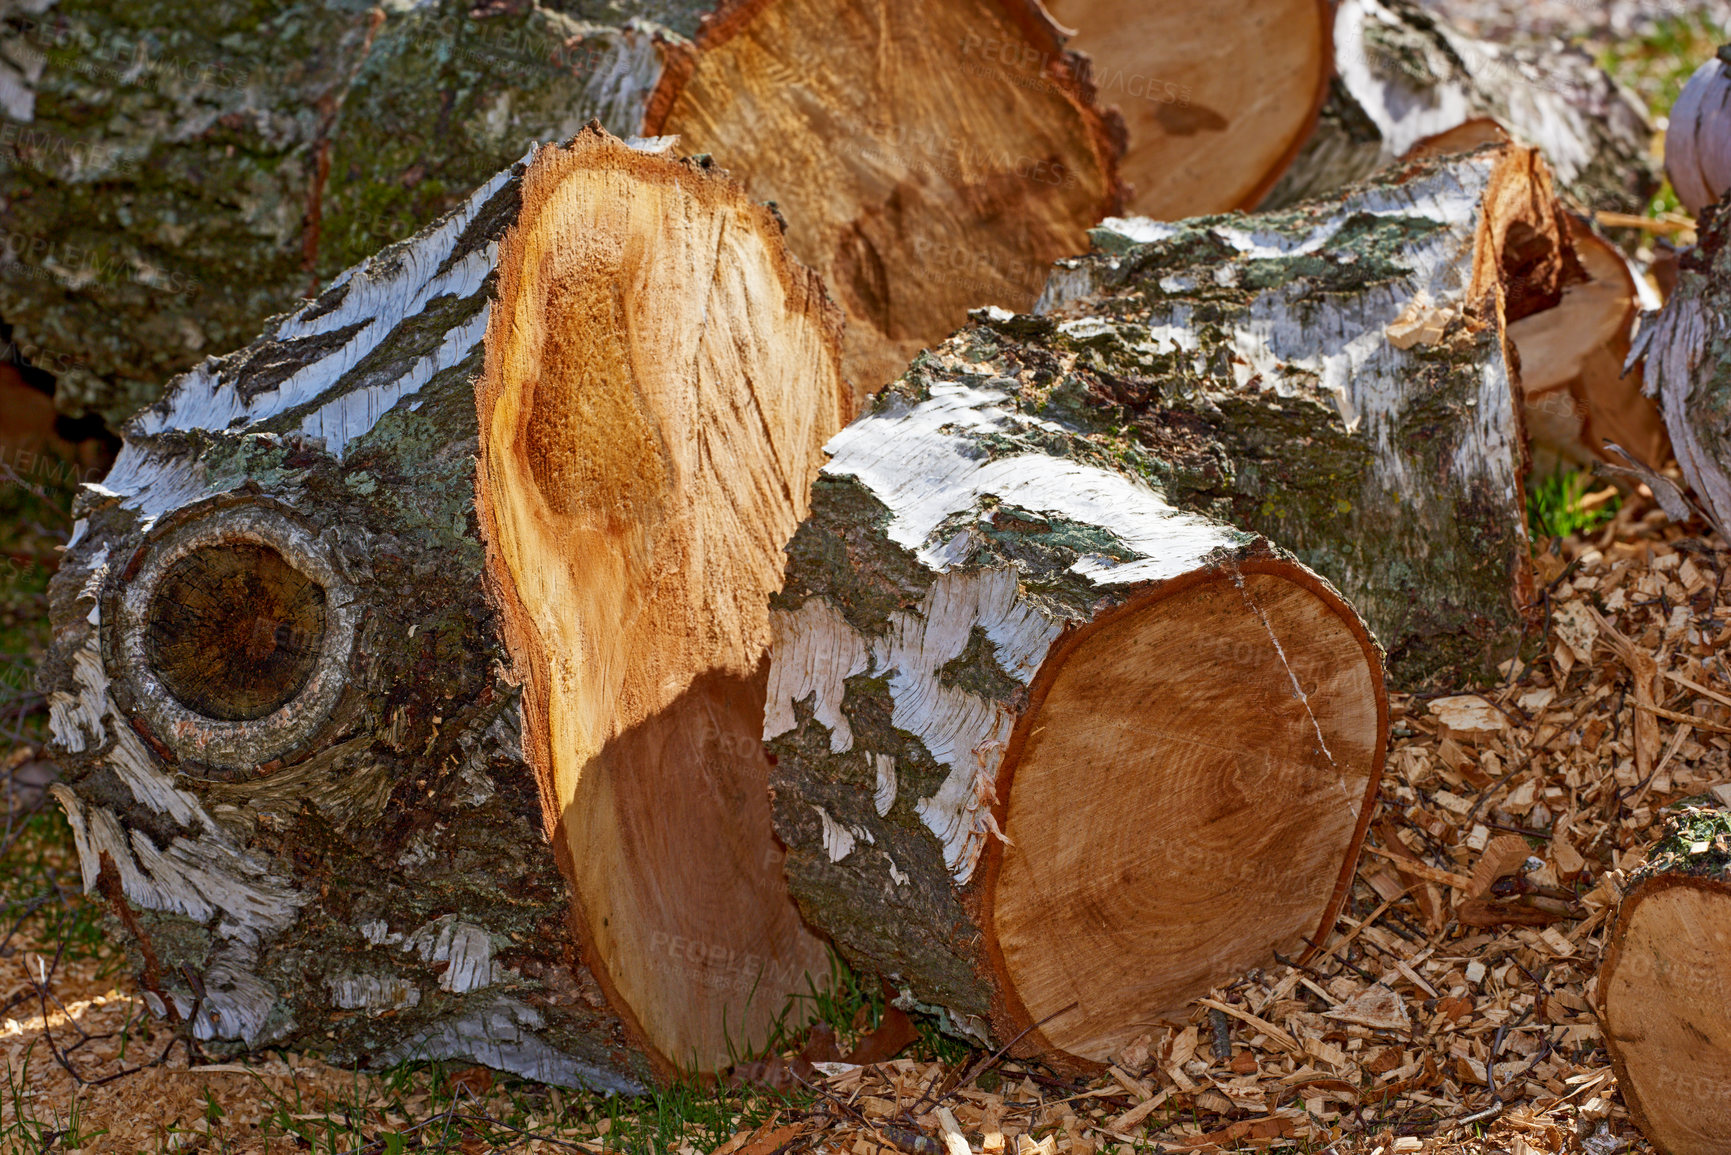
x,y
513,655
220,185
963,149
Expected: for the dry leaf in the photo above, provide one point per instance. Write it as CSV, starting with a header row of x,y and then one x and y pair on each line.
x,y
1467,713
1378,1008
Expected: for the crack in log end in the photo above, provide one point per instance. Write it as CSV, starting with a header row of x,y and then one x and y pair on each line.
x,y
660,379
1144,859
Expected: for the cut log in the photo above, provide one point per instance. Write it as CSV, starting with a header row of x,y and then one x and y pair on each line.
x,y
411,661
1698,135
1661,988
216,185
1574,389
927,158
1683,351
1052,755
1333,376
1206,134
1405,76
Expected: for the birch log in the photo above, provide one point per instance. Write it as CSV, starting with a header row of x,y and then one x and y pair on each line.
x,y
1334,377
1684,350
1052,755
409,665
179,172
1405,76
1661,988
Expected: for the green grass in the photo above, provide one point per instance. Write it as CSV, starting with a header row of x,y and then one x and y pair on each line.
x,y
1554,505
1657,65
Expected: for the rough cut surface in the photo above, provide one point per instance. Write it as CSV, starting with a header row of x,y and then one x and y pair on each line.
x,y
1403,75
1003,664
1206,135
1333,376
355,847
927,158
659,381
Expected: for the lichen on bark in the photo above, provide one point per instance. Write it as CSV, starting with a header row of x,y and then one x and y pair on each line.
x,y
186,171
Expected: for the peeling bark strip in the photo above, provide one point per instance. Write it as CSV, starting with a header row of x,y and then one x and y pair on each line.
x,y
1404,77
1333,376
306,732
1206,134
1686,353
1049,750
947,179
1661,988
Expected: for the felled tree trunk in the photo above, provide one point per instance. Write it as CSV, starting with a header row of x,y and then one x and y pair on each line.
x,y
235,162
1405,76
1661,988
1334,377
409,665
1683,352
1050,754
1205,134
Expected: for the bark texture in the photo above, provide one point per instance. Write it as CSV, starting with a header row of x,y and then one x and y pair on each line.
x,y
1685,353
1403,76
986,550
367,868
1334,377
1660,987
177,173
